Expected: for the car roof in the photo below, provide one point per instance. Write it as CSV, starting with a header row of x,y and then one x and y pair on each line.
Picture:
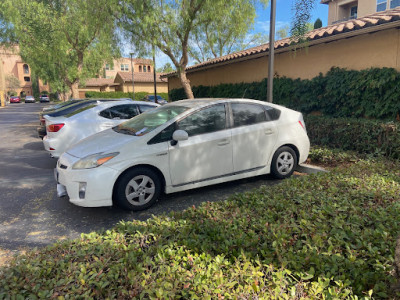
x,y
199,102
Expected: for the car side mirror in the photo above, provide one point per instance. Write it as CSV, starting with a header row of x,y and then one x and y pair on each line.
x,y
179,135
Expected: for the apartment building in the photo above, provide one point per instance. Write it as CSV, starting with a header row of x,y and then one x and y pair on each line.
x,y
124,64
343,10
13,65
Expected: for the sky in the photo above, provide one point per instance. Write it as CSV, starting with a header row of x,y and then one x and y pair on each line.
x,y
283,18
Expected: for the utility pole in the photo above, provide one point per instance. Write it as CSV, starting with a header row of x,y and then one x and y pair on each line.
x,y
270,86
155,76
133,82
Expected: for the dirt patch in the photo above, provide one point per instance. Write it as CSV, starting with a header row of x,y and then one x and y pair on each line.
x,y
7,255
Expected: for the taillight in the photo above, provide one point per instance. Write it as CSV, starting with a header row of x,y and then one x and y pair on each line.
x,y
54,127
42,121
301,124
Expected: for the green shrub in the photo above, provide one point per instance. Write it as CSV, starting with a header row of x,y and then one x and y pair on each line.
x,y
324,236
138,95
371,93
363,136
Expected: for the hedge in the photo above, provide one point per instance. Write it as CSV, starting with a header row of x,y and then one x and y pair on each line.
x,y
138,95
372,93
363,136
324,236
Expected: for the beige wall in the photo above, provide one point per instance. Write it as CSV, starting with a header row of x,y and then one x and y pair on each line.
x,y
13,65
162,87
340,9
125,61
369,50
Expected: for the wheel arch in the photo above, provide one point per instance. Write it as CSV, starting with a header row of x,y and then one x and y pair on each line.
x,y
151,167
293,147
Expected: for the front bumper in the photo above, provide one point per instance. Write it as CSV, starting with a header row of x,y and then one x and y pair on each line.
x,y
98,182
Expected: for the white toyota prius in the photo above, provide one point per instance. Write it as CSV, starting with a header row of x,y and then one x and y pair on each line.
x,y
179,146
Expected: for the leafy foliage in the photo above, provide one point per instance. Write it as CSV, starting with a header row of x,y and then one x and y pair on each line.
x,y
325,236
138,95
371,93
63,40
171,26
363,136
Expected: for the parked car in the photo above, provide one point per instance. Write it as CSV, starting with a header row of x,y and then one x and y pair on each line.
x,y
30,99
60,105
179,146
15,99
65,131
44,98
66,109
151,98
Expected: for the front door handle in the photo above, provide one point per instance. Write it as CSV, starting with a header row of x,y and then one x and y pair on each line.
x,y
223,142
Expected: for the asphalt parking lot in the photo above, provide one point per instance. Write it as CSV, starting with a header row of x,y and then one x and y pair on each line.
x,y
31,214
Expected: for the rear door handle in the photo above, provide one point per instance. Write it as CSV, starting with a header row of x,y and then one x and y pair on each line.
x,y
223,142
269,131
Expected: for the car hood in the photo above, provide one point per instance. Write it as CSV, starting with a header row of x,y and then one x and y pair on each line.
x,y
102,142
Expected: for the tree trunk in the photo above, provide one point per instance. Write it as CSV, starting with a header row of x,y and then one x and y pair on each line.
x,y
186,85
74,89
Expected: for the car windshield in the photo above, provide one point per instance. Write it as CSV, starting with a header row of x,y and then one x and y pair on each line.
x,y
149,120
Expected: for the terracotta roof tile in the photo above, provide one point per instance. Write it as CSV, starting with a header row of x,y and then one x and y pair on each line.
x,y
99,82
328,31
140,77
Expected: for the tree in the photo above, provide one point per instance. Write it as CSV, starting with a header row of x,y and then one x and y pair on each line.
x,y
318,23
64,41
301,17
283,32
167,68
225,32
12,83
172,25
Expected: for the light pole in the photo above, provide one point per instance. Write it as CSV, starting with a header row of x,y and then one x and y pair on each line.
x,y
133,82
154,76
270,85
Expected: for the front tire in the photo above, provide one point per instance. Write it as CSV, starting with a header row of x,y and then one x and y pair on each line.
x,y
284,162
137,189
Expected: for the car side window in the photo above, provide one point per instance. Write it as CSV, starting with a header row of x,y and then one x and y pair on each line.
x,y
143,108
206,120
247,114
164,136
121,112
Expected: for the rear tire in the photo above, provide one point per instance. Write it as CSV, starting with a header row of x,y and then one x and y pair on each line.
x,y
284,162
137,189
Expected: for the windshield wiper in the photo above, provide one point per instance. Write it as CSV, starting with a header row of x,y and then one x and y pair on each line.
x,y
124,130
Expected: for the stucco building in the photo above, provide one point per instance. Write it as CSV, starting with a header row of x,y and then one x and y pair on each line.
x,y
343,10
124,64
13,65
366,42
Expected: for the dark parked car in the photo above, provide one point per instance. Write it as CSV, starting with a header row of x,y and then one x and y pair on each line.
x,y
15,99
44,98
151,98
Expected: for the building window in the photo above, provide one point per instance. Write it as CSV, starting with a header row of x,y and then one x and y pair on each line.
x,y
148,69
140,68
394,3
380,5
27,78
353,12
144,69
26,69
124,67
107,67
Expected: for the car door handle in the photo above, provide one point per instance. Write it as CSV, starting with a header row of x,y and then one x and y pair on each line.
x,y
269,131
223,142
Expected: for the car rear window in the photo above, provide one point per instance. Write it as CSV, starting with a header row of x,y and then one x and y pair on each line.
x,y
75,112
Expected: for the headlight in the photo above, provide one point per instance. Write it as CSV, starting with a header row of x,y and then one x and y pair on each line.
x,y
93,160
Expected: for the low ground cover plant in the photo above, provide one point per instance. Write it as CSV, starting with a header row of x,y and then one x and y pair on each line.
x,y
324,236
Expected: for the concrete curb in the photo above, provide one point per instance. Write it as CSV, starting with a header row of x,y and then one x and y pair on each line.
x,y
310,169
